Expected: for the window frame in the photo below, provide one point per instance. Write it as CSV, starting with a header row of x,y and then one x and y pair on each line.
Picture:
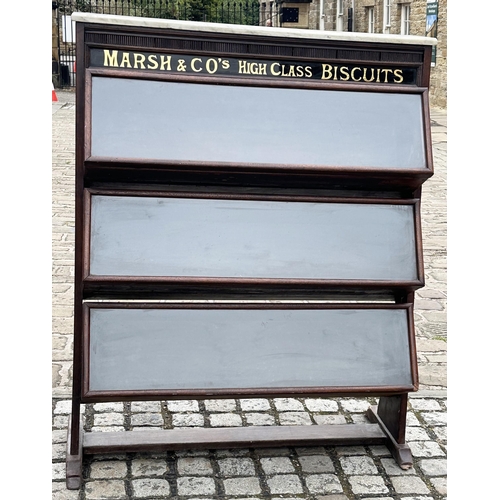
x,y
370,13
387,16
405,18
340,15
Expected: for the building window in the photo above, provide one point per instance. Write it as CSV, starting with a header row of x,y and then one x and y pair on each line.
x,y
387,16
370,11
405,19
290,15
340,15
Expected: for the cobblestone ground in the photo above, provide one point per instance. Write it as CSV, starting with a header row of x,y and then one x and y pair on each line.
x,y
316,473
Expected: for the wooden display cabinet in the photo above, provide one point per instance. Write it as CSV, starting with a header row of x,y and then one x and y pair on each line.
x,y
248,209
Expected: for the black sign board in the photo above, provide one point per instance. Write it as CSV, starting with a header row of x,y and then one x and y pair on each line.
x,y
183,64
246,199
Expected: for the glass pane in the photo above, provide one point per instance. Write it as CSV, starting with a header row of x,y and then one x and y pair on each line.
x,y
152,236
142,119
141,349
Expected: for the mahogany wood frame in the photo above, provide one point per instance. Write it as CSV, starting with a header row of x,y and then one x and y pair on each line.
x,y
388,419
155,285
89,396
405,181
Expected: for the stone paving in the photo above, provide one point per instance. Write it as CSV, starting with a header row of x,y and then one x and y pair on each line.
x,y
315,473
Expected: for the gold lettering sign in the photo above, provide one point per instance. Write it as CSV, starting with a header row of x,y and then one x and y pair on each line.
x,y
213,65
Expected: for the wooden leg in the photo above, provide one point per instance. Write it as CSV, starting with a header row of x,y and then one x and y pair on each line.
x,y
390,414
74,453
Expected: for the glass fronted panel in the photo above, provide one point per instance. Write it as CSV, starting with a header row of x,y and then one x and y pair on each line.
x,y
174,121
171,349
233,238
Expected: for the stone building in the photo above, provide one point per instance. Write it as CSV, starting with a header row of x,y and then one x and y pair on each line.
x,y
400,17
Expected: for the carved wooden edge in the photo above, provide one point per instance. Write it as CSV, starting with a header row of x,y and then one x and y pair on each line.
x,y
400,451
74,463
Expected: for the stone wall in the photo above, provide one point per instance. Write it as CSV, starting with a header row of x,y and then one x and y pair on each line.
x,y
438,87
439,74
314,15
418,12
418,15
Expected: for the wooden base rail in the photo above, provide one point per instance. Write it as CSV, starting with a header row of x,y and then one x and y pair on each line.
x,y
236,437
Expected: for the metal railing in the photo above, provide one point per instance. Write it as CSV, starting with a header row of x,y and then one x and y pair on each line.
x,y
247,12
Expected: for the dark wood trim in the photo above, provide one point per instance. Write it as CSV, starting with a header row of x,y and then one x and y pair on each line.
x,y
74,458
74,437
85,333
239,437
233,437
392,411
412,340
249,304
324,170
187,284
427,131
284,83
419,243
234,194
390,415
238,393
254,46
87,209
102,170
426,67
87,132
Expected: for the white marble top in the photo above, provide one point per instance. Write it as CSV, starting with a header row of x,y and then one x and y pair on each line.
x,y
236,29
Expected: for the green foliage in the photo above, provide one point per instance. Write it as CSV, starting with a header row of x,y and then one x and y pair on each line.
x,y
193,10
69,6
222,11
